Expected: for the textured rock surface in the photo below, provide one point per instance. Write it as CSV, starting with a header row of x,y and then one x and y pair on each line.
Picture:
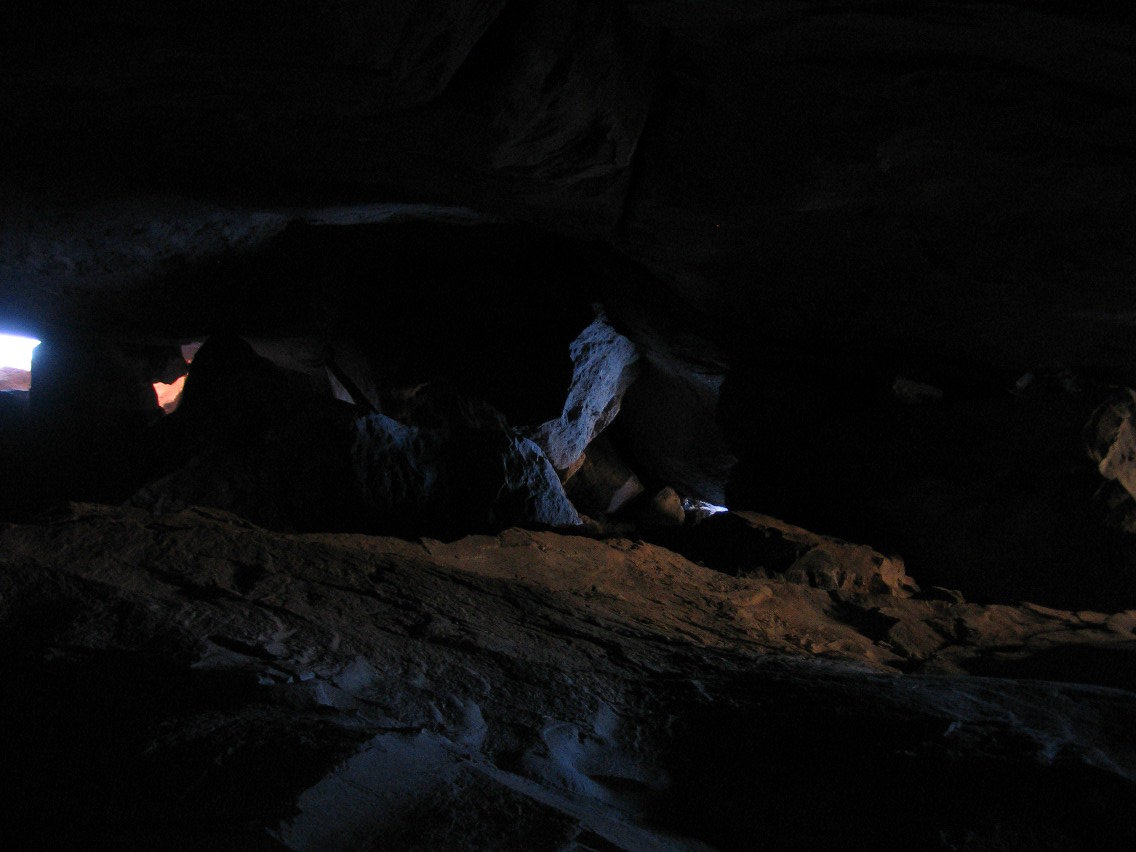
x,y
746,543
14,379
670,423
194,678
803,214
603,483
455,480
908,178
258,441
604,366
537,105
1111,441
93,387
662,509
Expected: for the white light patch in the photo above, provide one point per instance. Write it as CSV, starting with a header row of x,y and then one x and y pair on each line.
x,y
702,508
16,351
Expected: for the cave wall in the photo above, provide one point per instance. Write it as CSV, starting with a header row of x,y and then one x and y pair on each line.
x,y
787,207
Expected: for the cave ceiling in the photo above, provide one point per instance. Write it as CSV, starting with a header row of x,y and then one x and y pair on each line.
x,y
568,424
938,182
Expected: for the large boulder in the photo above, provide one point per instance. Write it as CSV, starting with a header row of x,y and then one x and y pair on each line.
x,y
1110,439
603,483
454,476
72,434
669,422
259,441
605,364
664,509
254,439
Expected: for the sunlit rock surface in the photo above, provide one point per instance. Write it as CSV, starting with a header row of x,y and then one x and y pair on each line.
x,y
15,379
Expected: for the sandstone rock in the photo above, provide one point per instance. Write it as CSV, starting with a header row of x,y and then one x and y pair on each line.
x,y
453,478
1110,438
193,678
669,422
90,385
605,363
822,188
253,439
943,594
15,379
698,510
602,484
748,543
90,403
227,376
165,364
13,401
664,509
353,378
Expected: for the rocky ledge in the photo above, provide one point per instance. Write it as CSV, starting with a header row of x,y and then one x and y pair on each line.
x,y
191,680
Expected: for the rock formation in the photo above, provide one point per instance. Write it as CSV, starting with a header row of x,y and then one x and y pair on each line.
x,y
602,425
226,685
604,367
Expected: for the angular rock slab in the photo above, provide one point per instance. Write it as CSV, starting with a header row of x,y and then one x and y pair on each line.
x,y
1110,438
605,364
472,479
603,483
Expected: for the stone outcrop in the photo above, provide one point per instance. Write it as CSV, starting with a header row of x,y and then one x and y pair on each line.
x,y
1110,438
257,440
90,386
663,509
605,364
455,479
14,379
602,483
669,420
749,544
192,679
865,266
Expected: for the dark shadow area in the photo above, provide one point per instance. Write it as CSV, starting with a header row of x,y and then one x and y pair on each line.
x,y
983,489
1115,667
130,752
782,768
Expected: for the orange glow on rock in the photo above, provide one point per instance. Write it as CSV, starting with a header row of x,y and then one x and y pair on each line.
x,y
169,395
13,378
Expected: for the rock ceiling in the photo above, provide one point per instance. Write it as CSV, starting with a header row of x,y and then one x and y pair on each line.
x,y
488,302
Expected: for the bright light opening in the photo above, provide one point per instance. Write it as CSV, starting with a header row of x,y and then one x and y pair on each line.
x,y
16,351
700,509
709,508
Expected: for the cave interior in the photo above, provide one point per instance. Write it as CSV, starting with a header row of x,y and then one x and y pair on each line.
x,y
568,425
